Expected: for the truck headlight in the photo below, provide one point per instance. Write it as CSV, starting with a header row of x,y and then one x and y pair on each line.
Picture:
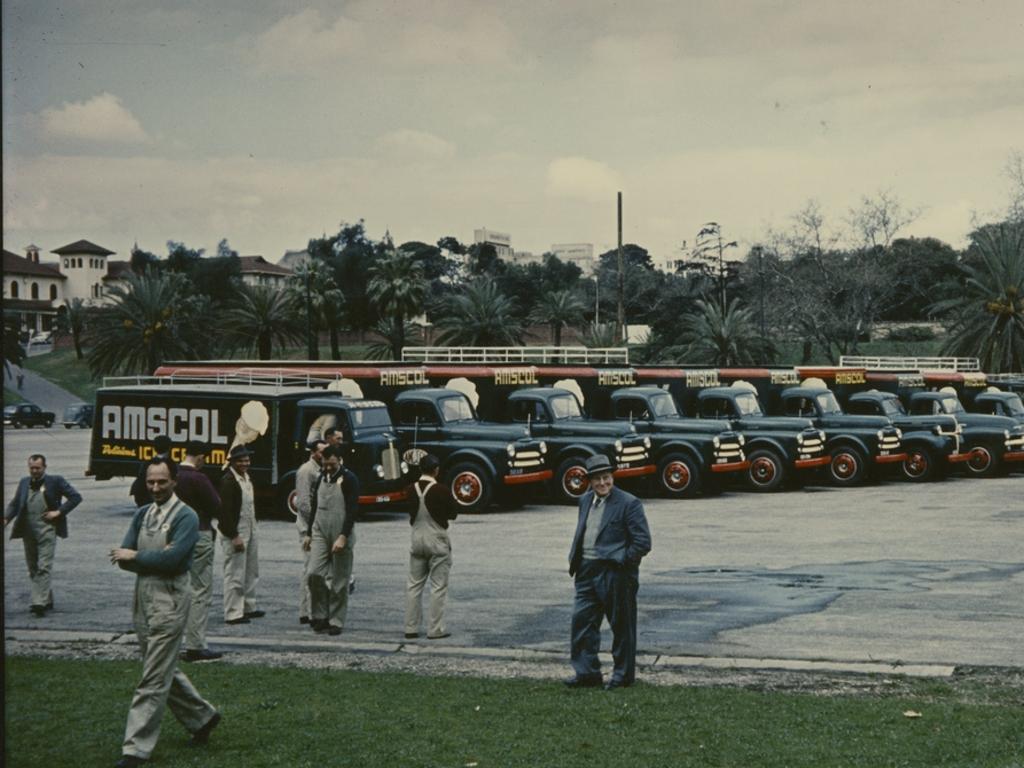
x,y
543,447
647,442
618,446
741,440
405,468
717,442
899,434
800,438
510,450
881,435
379,471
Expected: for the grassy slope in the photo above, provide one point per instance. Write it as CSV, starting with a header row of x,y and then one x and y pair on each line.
x,y
71,713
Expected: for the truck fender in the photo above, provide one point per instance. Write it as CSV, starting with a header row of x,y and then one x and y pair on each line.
x,y
681,446
470,454
575,449
848,441
755,442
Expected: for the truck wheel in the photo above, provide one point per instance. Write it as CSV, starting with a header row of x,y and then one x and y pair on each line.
x,y
920,465
571,479
983,462
678,476
285,508
49,423
470,486
848,467
68,426
766,471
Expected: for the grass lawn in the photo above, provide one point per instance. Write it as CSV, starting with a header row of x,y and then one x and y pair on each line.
x,y
72,713
11,396
62,368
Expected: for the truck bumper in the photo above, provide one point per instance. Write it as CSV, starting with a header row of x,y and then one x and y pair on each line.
x,y
529,477
892,458
958,458
384,498
735,466
647,469
821,461
1013,456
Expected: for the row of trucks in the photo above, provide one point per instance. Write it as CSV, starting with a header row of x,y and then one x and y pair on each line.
x,y
502,430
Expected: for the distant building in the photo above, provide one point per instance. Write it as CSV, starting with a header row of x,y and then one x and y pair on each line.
x,y
294,259
85,265
501,241
525,257
580,254
255,270
117,274
33,291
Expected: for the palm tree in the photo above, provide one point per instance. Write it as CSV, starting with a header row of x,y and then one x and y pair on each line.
x,y
716,337
258,317
988,315
480,316
601,335
397,289
390,348
320,303
558,309
72,318
151,318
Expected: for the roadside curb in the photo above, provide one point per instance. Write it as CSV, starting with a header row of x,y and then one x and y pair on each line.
x,y
415,648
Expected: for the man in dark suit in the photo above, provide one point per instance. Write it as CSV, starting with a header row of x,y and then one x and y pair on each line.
x,y
40,508
611,538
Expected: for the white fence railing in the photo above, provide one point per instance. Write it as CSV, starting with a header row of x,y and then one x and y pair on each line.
x,y
607,355
239,378
911,363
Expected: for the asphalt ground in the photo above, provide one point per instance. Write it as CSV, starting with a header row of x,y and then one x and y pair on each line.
x,y
887,576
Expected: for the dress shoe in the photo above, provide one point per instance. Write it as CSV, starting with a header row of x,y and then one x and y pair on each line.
x,y
583,682
255,614
38,610
442,636
612,684
242,620
202,736
319,625
411,635
303,619
130,761
200,654
333,630
351,586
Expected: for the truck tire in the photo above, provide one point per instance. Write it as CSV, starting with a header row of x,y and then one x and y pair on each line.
x,y
984,462
68,426
471,486
571,480
679,476
285,508
921,465
767,471
848,466
49,423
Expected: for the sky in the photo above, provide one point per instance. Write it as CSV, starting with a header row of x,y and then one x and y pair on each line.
x,y
269,122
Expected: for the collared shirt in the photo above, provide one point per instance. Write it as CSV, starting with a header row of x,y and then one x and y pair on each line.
x,y
157,514
594,519
248,500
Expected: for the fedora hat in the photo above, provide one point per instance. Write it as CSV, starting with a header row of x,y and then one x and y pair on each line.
x,y
597,464
239,452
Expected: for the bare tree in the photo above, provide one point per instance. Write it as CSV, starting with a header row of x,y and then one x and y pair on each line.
x,y
876,220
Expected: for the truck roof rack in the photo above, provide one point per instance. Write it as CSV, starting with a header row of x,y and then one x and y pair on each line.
x,y
586,355
911,363
278,379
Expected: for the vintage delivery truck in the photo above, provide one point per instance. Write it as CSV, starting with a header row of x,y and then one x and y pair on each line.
x,y
273,419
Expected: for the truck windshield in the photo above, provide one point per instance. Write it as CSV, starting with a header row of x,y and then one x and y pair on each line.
x,y
828,404
1014,406
664,406
369,417
949,405
747,405
565,407
454,409
892,406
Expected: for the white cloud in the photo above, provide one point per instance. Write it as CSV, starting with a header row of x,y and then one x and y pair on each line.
x,y
409,146
582,179
100,119
305,41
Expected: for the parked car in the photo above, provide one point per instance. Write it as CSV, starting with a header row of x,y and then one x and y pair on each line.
x,y
29,415
78,415
8,413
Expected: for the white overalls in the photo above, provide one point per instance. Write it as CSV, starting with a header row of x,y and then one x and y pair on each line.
x,y
430,556
242,569
329,572
160,612
40,542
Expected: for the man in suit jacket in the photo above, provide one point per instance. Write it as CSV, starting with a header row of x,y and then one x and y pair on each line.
x,y
237,525
611,538
39,510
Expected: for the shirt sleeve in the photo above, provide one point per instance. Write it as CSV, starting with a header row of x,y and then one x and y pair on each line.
x,y
350,489
72,498
131,540
173,558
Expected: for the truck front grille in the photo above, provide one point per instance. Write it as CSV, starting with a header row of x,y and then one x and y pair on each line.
x,y
633,454
391,463
527,459
811,443
890,441
728,451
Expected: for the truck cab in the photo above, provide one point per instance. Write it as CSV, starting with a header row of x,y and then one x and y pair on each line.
x,y
686,451
933,443
996,402
555,416
776,447
856,443
477,458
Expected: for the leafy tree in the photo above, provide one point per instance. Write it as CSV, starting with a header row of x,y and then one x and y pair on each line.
x,y
142,260
321,306
640,280
397,288
559,309
925,270
600,335
151,318
720,337
480,316
258,317
354,254
393,339
483,260
13,353
72,318
181,258
987,318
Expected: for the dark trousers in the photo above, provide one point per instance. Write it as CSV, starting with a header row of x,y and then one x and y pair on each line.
x,y
605,590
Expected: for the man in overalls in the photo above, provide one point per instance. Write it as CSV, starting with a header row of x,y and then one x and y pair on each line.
x,y
305,478
430,555
158,549
237,526
330,557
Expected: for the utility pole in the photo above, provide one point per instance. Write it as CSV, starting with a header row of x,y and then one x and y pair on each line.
x,y
620,329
